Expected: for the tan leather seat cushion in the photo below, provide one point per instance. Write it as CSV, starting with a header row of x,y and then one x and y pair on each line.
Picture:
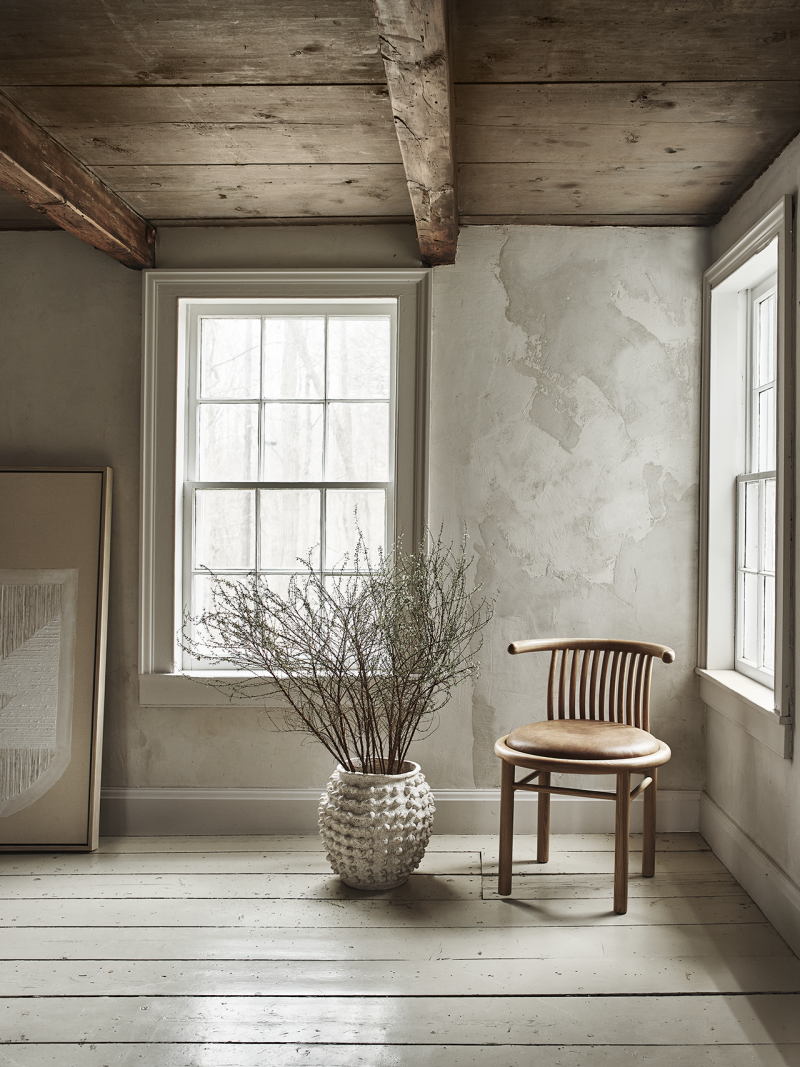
x,y
582,739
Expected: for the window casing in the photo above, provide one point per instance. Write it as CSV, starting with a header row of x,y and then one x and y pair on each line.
x,y
178,408
747,428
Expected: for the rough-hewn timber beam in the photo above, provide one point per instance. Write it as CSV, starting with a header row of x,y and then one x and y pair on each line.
x,y
414,38
39,171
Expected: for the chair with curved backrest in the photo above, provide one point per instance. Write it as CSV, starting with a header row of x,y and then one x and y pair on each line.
x,y
598,722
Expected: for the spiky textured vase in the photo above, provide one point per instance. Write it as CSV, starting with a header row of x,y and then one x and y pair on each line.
x,y
376,826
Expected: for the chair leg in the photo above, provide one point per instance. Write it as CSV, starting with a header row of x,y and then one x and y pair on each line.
x,y
506,827
621,833
543,823
649,836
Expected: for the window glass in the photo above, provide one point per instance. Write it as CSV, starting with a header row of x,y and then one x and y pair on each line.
x,y
299,405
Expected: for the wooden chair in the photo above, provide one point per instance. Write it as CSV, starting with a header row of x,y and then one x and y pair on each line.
x,y
598,722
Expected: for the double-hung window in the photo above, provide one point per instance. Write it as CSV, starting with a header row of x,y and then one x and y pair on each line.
x,y
746,624
282,413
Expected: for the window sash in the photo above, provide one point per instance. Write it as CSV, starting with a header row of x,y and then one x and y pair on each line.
x,y
755,576
196,312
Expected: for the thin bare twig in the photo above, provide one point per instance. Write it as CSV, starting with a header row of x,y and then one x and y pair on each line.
x,y
366,660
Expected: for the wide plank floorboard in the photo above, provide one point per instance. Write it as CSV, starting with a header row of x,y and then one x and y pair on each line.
x,y
236,952
508,943
605,1020
386,978
394,913
208,863
109,1054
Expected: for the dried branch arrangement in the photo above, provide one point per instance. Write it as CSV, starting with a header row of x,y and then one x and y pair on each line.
x,y
365,659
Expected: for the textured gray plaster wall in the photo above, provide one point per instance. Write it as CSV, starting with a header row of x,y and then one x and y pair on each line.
x,y
70,373
564,433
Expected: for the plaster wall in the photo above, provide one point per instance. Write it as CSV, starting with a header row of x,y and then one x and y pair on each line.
x,y
563,433
757,789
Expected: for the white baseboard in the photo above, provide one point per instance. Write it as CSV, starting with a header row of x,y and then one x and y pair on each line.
x,y
196,811
775,893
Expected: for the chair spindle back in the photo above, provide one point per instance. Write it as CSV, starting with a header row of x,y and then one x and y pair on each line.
x,y
607,685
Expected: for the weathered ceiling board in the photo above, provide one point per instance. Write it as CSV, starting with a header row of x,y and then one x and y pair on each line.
x,y
596,41
170,192
125,105
593,218
624,144
220,144
176,42
759,103
557,189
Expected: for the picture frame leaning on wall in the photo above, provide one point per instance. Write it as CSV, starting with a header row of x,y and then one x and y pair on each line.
x,y
55,526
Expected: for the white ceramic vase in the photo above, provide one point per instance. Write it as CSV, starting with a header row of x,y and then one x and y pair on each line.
x,y
376,826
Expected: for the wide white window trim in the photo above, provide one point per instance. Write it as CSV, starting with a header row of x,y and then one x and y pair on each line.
x,y
160,684
722,686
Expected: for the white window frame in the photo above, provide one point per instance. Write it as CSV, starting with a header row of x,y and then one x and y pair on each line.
x,y
167,294
763,711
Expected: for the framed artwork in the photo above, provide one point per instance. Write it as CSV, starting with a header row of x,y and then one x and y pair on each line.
x,y
55,525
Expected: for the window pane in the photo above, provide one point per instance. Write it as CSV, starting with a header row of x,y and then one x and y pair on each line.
x,y
289,527
225,526
768,652
292,442
750,526
294,358
359,357
765,430
769,525
358,443
230,358
345,507
766,340
202,590
227,446
278,583
749,629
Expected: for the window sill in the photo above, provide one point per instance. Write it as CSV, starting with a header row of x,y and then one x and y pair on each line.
x,y
748,704
187,691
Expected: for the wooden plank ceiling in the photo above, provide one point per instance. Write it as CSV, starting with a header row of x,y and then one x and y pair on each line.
x,y
263,111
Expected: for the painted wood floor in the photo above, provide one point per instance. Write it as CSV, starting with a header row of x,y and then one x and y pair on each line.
x,y
244,951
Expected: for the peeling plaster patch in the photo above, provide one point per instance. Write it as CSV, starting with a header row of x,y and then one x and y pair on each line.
x,y
549,414
652,478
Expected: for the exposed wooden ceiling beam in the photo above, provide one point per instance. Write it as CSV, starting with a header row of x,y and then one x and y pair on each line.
x,y
415,45
39,171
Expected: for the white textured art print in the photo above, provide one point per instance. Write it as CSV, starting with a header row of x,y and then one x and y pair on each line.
x,y
37,653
